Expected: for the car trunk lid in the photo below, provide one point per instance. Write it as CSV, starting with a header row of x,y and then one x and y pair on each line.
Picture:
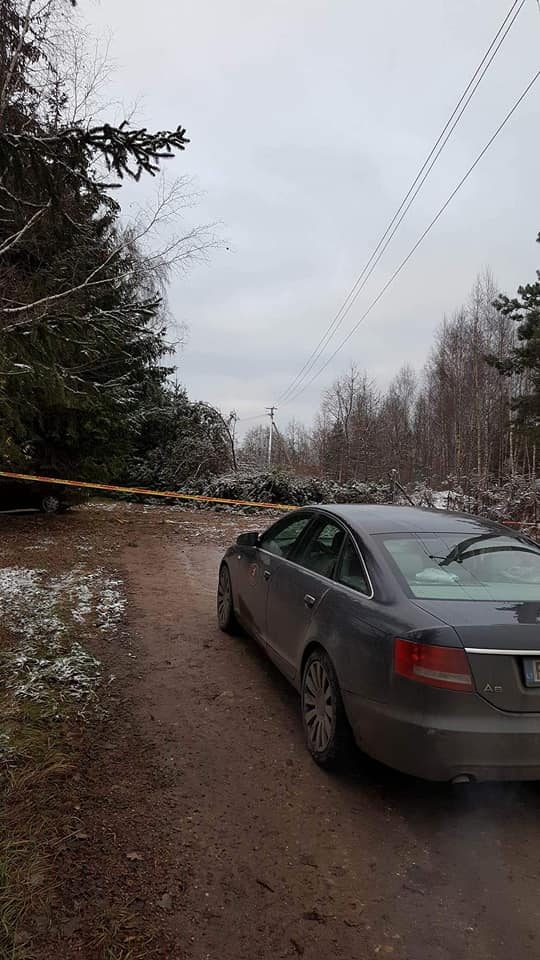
x,y
502,641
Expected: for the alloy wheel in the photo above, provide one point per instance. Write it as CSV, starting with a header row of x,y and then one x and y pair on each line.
x,y
224,597
50,504
318,706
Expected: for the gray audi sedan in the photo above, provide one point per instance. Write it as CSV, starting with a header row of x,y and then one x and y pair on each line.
x,y
415,633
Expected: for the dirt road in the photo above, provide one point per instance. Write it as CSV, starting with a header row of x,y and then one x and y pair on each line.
x,y
286,859
244,847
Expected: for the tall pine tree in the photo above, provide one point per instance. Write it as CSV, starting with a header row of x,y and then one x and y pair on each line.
x,y
523,363
82,332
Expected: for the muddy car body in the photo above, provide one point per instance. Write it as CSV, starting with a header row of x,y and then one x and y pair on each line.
x,y
417,630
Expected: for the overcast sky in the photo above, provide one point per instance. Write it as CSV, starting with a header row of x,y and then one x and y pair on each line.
x,y
308,120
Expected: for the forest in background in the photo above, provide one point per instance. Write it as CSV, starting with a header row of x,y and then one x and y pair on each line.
x,y
471,411
86,385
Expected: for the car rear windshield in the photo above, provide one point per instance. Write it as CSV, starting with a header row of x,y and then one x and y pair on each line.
x,y
452,567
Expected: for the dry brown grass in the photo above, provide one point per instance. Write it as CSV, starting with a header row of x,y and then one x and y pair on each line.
x,y
31,772
40,748
117,938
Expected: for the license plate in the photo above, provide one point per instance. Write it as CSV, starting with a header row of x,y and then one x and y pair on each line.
x,y
532,672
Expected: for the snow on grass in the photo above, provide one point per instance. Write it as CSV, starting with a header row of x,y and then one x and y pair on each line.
x,y
424,496
109,505
7,750
103,505
111,604
43,614
84,546
32,675
43,544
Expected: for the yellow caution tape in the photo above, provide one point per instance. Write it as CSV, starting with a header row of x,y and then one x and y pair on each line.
x,y
147,493
172,495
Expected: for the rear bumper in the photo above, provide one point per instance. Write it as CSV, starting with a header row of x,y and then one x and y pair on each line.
x,y
484,744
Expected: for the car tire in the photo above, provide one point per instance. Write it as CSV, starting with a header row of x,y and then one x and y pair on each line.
x,y
327,731
50,504
225,606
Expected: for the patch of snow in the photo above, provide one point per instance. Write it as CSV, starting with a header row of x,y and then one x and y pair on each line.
x,y
84,546
43,612
449,499
442,499
42,545
72,674
111,605
7,752
103,505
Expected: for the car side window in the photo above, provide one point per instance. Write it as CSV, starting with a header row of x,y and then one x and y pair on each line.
x,y
351,571
321,551
283,536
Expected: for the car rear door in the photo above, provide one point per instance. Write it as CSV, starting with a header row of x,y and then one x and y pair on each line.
x,y
297,587
356,627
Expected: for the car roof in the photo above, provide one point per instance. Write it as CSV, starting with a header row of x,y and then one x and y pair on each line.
x,y
393,518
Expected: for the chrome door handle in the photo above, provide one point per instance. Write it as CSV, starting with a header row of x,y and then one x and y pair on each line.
x,y
267,574
309,600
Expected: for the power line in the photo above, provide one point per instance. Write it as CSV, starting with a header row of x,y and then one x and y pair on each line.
x,y
421,238
411,194
258,416
422,177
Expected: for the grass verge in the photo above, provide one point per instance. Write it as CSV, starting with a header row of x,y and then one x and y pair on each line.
x,y
35,760
50,710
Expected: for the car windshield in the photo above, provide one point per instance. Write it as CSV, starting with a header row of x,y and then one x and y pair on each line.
x,y
452,567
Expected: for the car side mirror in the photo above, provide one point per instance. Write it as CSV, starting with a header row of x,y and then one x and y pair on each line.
x,y
248,540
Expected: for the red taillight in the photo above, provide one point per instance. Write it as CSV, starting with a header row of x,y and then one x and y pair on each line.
x,y
445,667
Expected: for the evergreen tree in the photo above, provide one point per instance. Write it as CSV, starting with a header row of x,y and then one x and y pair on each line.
x,y
82,331
177,440
523,362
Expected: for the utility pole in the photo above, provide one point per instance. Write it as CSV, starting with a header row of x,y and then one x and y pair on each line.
x,y
270,411
233,419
